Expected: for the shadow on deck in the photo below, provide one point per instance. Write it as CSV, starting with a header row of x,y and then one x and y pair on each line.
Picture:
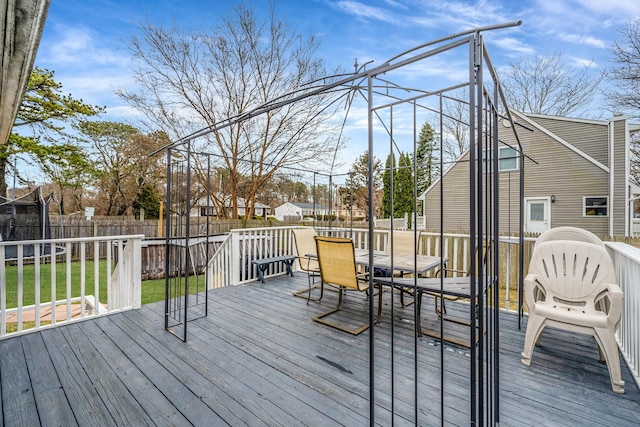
x,y
258,359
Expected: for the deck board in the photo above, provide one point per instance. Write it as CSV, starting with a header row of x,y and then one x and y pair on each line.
x,y
47,389
86,403
176,392
158,408
18,399
259,359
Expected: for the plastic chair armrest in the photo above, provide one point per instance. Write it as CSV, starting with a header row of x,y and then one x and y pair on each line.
x,y
615,295
530,287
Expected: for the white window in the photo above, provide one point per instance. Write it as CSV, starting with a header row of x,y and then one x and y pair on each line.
x,y
507,159
595,206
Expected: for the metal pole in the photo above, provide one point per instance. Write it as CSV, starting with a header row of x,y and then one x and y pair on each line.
x,y
372,394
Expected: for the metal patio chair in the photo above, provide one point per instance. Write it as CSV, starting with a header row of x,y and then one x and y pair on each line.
x,y
337,261
306,246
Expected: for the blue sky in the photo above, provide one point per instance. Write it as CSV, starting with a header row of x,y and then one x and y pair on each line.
x,y
85,43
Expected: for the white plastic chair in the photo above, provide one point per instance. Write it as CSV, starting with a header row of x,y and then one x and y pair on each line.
x,y
571,285
568,233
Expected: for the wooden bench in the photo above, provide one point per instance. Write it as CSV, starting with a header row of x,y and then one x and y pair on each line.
x,y
264,263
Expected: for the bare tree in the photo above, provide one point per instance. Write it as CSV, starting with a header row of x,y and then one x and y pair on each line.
x,y
455,127
546,85
625,76
191,81
540,85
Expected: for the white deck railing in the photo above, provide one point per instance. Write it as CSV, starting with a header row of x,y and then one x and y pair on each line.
x,y
401,223
626,260
232,263
38,290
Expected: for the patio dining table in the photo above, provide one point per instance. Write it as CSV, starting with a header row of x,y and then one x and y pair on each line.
x,y
408,263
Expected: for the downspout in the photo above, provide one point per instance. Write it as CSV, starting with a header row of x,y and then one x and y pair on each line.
x,y
627,180
611,175
612,171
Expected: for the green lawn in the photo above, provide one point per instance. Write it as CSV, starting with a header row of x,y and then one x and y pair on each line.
x,y
152,290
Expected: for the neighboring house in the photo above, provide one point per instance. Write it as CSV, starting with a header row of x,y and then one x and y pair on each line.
x,y
577,174
298,211
203,208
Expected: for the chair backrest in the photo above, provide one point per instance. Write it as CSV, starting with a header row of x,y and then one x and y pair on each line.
x,y
572,270
305,244
337,260
568,233
481,258
404,242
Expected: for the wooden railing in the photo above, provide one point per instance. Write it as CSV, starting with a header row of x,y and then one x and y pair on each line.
x,y
41,285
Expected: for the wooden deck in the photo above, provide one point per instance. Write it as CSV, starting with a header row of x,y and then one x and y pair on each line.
x,y
258,359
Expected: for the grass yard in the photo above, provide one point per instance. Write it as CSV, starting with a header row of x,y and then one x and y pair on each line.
x,y
152,290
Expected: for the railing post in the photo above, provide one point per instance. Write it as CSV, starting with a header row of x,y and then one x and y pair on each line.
x,y
236,258
136,270
3,294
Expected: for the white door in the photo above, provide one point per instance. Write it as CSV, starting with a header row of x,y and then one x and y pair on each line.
x,y
538,215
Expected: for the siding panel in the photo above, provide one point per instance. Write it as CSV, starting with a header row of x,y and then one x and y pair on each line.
x,y
590,137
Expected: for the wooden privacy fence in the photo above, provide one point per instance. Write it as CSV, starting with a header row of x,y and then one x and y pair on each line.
x,y
74,226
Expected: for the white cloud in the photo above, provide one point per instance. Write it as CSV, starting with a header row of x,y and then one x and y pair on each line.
x,y
622,9
361,10
396,4
99,81
466,15
511,44
584,62
79,45
583,40
124,113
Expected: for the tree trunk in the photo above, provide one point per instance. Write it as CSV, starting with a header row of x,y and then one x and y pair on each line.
x,y
3,181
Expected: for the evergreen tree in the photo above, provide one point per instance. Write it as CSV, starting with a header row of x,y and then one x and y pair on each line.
x,y
427,168
45,111
358,182
403,187
386,185
149,200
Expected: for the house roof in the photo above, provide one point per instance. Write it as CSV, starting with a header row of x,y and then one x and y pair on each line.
x,y
307,205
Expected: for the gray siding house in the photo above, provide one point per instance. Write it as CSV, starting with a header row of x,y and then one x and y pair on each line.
x,y
576,173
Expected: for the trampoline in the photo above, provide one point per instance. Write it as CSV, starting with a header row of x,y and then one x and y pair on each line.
x,y
27,218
